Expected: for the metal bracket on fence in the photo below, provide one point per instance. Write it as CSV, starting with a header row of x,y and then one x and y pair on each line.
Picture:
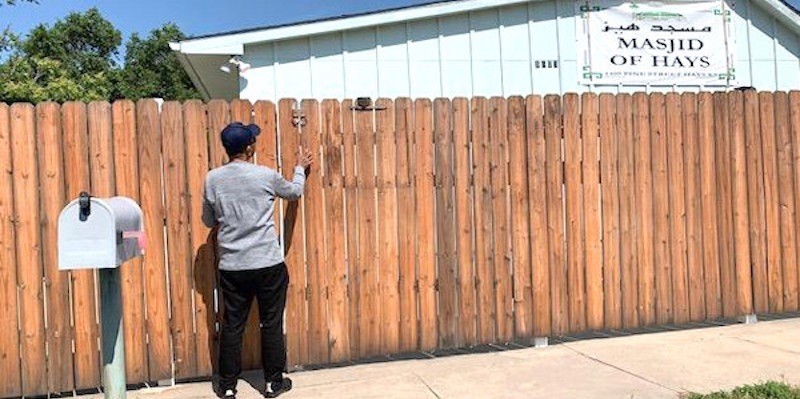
x,y
365,104
298,118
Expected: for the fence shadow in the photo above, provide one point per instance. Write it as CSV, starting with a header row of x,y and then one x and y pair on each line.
x,y
205,276
289,221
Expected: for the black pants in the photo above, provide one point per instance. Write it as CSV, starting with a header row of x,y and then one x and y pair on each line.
x,y
268,286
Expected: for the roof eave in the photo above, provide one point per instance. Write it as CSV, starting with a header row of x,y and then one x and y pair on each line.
x,y
189,68
237,41
783,13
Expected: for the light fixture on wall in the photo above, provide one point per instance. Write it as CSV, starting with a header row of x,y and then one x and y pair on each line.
x,y
236,61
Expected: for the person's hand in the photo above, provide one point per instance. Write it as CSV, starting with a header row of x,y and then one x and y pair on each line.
x,y
304,158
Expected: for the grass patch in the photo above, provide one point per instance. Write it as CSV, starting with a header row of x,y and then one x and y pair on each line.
x,y
767,390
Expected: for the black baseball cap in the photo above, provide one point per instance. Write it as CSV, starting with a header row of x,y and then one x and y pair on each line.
x,y
237,136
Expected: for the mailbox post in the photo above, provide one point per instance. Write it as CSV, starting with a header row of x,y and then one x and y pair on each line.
x,y
102,234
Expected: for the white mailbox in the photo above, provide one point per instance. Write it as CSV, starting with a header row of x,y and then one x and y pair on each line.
x,y
96,233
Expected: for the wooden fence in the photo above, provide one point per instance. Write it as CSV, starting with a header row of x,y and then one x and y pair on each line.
x,y
425,225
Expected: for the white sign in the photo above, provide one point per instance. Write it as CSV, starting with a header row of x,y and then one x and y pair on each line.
x,y
656,43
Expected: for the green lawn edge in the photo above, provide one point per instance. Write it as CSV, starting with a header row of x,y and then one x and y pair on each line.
x,y
764,390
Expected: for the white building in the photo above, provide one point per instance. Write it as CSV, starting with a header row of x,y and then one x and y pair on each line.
x,y
507,47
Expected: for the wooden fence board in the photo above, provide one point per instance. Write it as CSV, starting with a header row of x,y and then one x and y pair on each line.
x,y
610,209
787,201
628,216
661,215
576,260
520,222
741,220
426,219
155,268
29,262
318,347
498,127
709,196
351,215
332,138
786,194
406,233
204,270
677,209
593,230
218,117
537,194
86,331
265,116
555,215
794,122
644,209
694,225
10,377
126,176
725,215
101,165
772,201
466,333
178,245
218,113
484,254
56,283
367,232
445,223
101,145
389,294
242,111
293,232
756,191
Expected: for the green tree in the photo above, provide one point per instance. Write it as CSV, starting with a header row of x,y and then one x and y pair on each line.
x,y
75,59
72,60
152,70
37,79
12,2
83,42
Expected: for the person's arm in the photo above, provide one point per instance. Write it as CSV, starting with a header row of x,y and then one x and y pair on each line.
x,y
290,190
293,190
209,217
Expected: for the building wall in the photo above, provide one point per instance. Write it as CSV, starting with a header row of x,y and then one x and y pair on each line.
x,y
515,50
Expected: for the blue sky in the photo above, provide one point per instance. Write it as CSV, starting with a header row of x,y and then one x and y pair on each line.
x,y
194,17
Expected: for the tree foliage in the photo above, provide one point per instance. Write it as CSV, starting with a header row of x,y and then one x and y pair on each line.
x,y
84,42
12,2
152,70
76,59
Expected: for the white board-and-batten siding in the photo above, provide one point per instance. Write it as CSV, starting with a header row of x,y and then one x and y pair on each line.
x,y
504,51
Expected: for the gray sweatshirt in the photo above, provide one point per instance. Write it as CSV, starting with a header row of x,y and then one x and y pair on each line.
x,y
240,198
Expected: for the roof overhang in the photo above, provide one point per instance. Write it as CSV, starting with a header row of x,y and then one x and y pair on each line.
x,y
202,57
783,13
205,71
218,43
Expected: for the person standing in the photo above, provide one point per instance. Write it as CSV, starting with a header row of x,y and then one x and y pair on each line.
x,y
239,202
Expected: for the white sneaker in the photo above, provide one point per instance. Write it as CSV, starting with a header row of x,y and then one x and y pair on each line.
x,y
229,394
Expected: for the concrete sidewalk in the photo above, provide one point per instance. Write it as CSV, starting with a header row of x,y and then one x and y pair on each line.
x,y
658,365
